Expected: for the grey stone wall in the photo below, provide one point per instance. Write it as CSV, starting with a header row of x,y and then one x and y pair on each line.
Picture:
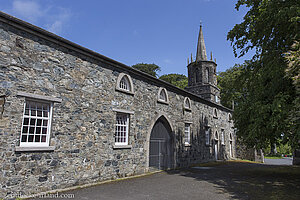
x,y
83,123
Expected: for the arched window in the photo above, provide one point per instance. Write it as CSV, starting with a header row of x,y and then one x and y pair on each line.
x,y
206,75
187,103
124,84
163,96
215,113
216,135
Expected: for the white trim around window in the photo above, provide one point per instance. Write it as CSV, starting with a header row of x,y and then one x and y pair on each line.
x,y
187,134
187,104
121,129
222,136
36,124
207,136
215,113
162,96
125,84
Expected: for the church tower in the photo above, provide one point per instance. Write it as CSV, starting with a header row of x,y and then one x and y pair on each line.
x,y
202,79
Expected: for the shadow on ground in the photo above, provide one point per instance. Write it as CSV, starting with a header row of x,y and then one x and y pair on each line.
x,y
249,180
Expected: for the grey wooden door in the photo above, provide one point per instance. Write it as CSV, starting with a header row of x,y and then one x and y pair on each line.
x,y
161,151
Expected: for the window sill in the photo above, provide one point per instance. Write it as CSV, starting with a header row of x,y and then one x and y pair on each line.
x,y
31,149
122,146
125,91
163,102
187,109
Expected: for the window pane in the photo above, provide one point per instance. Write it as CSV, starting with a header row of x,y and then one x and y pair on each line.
x,y
39,113
24,138
44,131
32,122
37,138
43,138
26,121
38,130
45,113
45,122
31,130
33,112
30,138
26,111
39,106
25,129
39,122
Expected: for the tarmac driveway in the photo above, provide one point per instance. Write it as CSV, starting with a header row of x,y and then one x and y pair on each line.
x,y
221,180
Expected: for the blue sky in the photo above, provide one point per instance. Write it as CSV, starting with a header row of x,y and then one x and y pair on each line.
x,y
163,32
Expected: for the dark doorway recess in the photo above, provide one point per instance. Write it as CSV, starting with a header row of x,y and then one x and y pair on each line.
x,y
161,145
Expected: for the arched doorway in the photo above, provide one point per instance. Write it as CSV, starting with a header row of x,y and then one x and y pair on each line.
x,y
161,145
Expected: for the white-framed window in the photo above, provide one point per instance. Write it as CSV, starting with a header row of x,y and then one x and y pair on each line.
x,y
187,103
217,98
36,124
187,133
207,136
125,84
222,137
121,129
163,96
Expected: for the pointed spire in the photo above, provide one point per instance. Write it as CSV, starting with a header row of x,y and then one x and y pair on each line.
x,y
201,50
191,57
211,57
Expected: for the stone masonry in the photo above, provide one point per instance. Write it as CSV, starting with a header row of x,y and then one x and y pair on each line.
x,y
34,61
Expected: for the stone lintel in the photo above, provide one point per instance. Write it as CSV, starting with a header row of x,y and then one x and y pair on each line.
x,y
40,97
123,111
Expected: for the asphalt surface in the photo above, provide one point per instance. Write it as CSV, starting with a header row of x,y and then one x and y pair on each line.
x,y
282,161
229,180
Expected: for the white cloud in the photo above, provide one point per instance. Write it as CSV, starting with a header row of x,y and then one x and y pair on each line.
x,y
51,17
59,21
30,10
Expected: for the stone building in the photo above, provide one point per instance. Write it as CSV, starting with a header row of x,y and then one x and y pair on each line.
x,y
70,116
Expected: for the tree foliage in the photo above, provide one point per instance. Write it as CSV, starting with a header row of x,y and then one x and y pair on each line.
x,y
264,94
179,80
230,86
151,69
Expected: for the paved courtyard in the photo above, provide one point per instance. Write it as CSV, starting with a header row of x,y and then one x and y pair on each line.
x,y
229,180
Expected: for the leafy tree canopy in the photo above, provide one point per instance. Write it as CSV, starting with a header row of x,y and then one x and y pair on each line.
x,y
179,80
151,69
264,93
